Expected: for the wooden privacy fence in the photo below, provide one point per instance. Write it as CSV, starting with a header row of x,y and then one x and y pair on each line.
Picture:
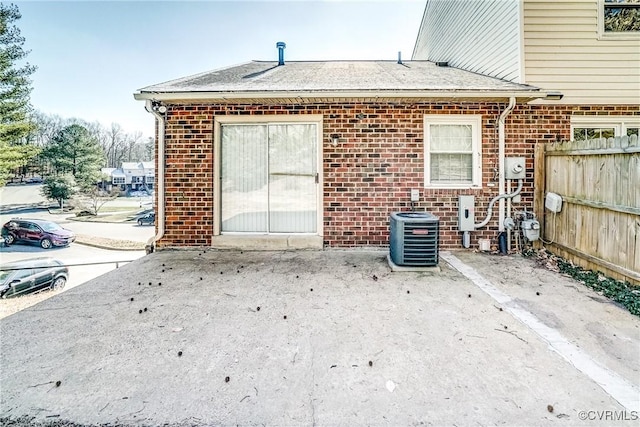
x,y
598,227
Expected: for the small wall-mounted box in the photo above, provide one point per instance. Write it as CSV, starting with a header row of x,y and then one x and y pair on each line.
x,y
466,214
514,168
553,202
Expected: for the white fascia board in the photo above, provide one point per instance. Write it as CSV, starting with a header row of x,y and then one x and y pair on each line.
x,y
227,96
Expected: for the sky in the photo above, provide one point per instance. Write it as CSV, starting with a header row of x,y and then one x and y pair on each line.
x,y
93,55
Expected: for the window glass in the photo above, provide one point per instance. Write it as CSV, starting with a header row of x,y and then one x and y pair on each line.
x,y
21,274
451,138
621,16
452,155
633,131
581,134
51,227
4,275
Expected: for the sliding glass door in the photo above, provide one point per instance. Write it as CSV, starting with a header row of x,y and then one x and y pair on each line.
x,y
269,178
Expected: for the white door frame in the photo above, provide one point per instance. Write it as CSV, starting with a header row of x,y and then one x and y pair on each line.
x,y
265,120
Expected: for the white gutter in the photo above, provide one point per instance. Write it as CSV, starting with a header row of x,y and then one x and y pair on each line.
x,y
160,211
296,95
501,149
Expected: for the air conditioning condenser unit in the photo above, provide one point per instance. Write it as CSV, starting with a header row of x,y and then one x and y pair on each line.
x,y
414,239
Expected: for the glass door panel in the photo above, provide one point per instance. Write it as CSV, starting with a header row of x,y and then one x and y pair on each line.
x,y
244,195
292,178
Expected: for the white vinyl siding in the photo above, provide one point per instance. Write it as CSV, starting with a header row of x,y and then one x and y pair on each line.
x,y
482,36
452,151
564,52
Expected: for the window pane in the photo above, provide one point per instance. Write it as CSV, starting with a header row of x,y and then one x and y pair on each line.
x,y
447,168
633,131
621,19
451,138
581,134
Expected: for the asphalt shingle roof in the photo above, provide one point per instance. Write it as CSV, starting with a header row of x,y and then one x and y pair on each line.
x,y
336,76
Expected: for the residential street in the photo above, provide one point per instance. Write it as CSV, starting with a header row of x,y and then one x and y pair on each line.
x,y
24,201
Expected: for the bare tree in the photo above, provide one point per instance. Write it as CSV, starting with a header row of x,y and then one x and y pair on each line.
x,y
94,199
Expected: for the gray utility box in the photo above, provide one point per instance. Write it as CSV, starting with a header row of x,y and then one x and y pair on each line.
x,y
414,239
466,213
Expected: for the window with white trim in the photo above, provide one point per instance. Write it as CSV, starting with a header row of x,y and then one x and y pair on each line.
x,y
619,19
452,147
586,127
118,180
621,16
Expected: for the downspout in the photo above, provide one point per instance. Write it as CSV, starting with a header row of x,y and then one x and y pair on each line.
x,y
160,214
501,154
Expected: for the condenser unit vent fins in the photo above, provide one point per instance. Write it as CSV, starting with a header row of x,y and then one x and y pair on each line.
x,y
414,239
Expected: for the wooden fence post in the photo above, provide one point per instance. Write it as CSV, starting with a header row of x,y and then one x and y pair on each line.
x,y
539,178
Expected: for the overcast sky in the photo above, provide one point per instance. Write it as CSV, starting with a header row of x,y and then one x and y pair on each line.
x,y
93,55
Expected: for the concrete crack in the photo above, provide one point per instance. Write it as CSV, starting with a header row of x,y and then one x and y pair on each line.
x,y
512,333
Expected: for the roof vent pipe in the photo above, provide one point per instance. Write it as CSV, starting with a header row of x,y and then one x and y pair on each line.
x,y
281,46
400,58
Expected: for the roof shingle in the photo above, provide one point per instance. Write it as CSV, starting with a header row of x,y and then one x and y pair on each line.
x,y
336,76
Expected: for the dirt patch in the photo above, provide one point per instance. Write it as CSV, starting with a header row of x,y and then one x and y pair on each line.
x,y
11,306
106,243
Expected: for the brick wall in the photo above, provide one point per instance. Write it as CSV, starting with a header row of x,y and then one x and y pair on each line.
x,y
369,174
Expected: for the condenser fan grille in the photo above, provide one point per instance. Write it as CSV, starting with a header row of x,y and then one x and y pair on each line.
x,y
413,239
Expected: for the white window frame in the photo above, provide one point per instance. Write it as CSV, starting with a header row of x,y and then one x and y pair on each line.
x,y
117,179
476,130
620,124
613,35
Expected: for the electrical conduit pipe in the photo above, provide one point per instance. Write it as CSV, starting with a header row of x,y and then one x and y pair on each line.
x,y
160,214
500,197
501,155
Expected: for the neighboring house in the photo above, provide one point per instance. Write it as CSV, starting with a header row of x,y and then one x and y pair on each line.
x,y
578,48
131,176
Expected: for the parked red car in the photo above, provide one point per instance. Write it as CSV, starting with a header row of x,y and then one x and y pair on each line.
x,y
47,234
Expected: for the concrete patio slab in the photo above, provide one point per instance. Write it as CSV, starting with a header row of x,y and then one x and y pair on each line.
x,y
314,338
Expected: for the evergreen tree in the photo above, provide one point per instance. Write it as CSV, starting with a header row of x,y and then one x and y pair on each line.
x,y
59,188
73,150
15,89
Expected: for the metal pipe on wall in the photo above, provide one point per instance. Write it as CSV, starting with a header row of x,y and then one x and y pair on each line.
x,y
501,155
160,209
